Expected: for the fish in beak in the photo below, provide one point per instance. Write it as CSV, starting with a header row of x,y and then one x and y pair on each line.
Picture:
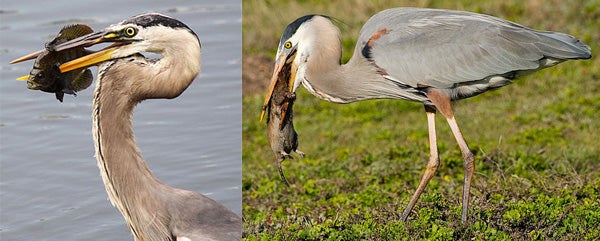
x,y
45,74
87,41
82,42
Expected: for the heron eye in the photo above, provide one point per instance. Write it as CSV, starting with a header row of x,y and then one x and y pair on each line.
x,y
40,75
130,31
287,45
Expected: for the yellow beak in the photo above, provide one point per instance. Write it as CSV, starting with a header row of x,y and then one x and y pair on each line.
x,y
22,78
281,61
82,62
86,41
278,66
25,58
85,61
88,60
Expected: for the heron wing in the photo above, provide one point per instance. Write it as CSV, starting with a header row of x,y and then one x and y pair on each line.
x,y
198,217
443,48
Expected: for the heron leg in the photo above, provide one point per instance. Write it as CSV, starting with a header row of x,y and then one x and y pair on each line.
x,y
468,165
432,165
442,103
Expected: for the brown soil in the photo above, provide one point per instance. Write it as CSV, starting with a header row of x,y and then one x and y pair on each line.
x,y
256,72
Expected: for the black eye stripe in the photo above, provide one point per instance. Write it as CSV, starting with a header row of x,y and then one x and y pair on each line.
x,y
153,19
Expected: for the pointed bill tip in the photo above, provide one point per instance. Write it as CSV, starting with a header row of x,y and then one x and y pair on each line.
x,y
22,78
27,57
262,115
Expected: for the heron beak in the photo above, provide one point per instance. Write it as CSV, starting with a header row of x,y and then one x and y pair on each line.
x,y
23,78
281,61
88,60
87,41
278,66
25,58
83,41
28,57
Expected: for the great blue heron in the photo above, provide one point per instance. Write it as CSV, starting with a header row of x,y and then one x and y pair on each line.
x,y
152,209
424,55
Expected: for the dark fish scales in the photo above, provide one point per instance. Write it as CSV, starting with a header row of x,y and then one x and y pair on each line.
x,y
283,138
45,74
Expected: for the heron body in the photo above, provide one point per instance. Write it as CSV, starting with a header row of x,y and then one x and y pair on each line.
x,y
424,55
152,210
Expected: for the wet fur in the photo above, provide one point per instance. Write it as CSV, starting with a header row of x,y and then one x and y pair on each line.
x,y
283,138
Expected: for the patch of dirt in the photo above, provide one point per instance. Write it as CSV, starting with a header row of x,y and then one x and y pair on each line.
x,y
256,73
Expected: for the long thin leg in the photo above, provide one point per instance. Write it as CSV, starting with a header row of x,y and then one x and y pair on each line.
x,y
432,165
468,165
442,103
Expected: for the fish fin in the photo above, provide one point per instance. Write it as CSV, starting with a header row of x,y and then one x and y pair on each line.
x,y
60,96
70,32
82,81
68,91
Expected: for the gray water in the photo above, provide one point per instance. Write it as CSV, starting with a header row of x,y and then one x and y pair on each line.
x,y
50,186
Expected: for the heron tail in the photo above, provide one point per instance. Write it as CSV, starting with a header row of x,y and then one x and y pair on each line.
x,y
563,46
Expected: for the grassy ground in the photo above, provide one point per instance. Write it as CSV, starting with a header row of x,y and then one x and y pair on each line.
x,y
535,141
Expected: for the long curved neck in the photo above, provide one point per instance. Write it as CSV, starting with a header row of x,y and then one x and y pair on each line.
x,y
328,79
119,159
130,185
122,83
173,73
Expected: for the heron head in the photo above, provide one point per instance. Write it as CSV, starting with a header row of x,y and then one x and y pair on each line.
x,y
294,49
151,32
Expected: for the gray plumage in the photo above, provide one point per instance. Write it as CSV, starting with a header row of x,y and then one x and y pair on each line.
x,y
462,53
424,55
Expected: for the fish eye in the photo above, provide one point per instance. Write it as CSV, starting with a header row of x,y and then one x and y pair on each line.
x,y
130,31
287,45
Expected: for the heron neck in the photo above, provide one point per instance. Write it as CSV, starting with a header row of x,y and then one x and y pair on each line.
x,y
359,79
116,149
172,74
130,185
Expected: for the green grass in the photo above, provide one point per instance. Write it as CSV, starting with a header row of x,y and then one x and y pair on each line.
x,y
535,143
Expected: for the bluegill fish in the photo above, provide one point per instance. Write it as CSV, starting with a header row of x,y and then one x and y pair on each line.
x,y
282,136
45,74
